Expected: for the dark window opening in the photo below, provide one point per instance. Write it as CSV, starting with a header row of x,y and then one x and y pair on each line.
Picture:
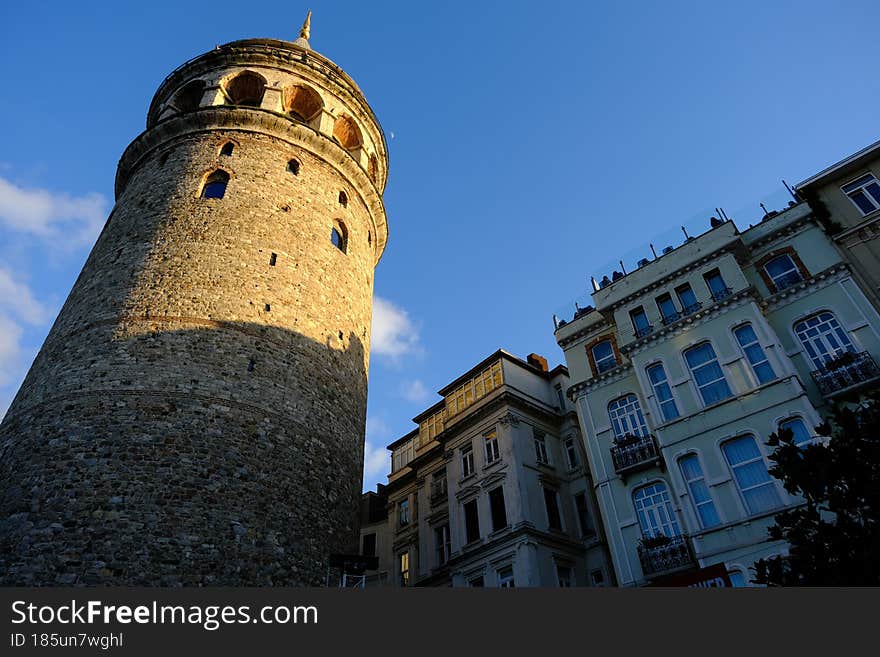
x,y
343,199
272,259
251,365
499,513
583,513
338,238
246,88
553,518
215,185
293,167
471,522
369,548
267,307
227,149
369,238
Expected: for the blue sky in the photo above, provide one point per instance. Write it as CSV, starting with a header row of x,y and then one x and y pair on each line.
x,y
531,145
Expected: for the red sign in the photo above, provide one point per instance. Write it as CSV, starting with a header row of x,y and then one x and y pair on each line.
x,y
711,577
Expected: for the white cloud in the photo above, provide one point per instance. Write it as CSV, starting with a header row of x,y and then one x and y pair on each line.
x,y
76,220
377,464
17,298
394,333
10,351
414,391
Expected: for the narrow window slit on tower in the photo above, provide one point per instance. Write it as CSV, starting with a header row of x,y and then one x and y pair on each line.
x,y
343,199
227,148
215,184
340,335
272,259
268,307
293,167
251,365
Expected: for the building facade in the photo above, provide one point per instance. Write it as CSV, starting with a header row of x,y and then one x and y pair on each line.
x,y
196,414
683,368
492,489
846,197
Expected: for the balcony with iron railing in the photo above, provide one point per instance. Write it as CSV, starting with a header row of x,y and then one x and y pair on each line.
x,y
720,295
642,331
663,555
846,372
634,453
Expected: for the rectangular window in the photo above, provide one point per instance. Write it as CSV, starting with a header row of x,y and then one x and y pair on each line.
x,y
754,352
640,323
750,472
369,546
554,520
496,505
402,455
603,356
687,299
662,391
560,397
540,448
597,577
692,473
571,453
403,568
467,461
505,578
783,272
717,287
583,513
493,453
564,576
707,373
403,513
438,485
864,193
667,308
442,544
471,522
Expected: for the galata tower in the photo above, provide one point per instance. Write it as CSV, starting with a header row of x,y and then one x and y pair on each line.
x,y
196,415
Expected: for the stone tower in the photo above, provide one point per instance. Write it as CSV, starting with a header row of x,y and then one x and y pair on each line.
x,y
196,414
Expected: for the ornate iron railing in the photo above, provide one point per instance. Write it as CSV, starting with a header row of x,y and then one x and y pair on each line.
x,y
674,553
634,453
844,372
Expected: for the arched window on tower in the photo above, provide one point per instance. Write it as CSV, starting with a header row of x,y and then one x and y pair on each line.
x,y
227,148
246,88
347,133
302,103
189,97
293,167
215,184
339,236
343,199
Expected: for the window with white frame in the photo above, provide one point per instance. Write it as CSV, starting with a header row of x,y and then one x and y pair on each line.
x,y
707,373
403,568
654,510
754,353
493,453
564,576
798,429
864,192
737,578
505,578
692,473
662,391
442,544
467,461
403,513
749,470
540,447
626,417
571,453
603,356
823,338
402,455
783,271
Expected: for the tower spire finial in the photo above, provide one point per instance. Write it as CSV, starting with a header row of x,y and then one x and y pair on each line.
x,y
305,30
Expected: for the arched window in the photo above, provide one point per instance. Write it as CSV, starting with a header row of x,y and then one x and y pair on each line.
x,y
654,510
189,97
343,199
215,184
347,133
662,391
754,352
246,88
704,505
783,271
293,167
708,374
823,338
604,356
749,470
626,417
798,429
227,148
302,103
339,237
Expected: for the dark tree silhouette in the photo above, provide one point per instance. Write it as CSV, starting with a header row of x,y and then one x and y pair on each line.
x,y
835,536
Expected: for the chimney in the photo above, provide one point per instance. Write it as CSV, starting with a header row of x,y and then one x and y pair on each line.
x,y
538,361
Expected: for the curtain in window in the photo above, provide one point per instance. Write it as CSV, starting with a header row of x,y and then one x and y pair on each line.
x,y
707,373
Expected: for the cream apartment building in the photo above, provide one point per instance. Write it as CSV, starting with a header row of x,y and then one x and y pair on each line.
x,y
681,370
492,488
